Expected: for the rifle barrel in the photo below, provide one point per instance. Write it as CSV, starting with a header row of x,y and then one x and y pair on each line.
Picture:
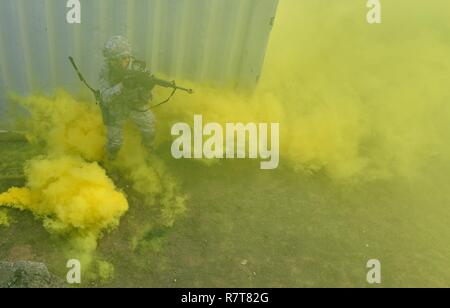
x,y
190,91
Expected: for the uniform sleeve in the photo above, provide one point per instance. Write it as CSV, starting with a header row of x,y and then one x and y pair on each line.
x,y
108,91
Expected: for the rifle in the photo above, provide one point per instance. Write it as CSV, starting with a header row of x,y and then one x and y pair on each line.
x,y
137,76
97,95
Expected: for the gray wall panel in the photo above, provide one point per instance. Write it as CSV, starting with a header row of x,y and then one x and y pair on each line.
x,y
219,42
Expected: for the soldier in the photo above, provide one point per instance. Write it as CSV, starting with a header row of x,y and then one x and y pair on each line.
x,y
123,99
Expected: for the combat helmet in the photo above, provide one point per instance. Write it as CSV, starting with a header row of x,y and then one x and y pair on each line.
x,y
117,47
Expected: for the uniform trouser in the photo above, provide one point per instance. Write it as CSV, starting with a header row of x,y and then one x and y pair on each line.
x,y
144,121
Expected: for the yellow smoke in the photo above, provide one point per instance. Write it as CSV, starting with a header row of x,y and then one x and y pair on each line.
x,y
353,100
72,193
69,194
63,188
4,218
150,179
66,126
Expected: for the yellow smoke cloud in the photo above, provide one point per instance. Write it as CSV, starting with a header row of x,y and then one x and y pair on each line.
x,y
69,194
4,218
150,179
63,188
65,125
353,100
72,194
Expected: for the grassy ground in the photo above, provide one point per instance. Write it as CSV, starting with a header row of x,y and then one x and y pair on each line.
x,y
249,228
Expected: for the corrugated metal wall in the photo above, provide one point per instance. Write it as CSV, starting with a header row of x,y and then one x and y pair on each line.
x,y
215,41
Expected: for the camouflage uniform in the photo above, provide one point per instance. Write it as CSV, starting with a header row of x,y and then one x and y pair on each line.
x,y
117,103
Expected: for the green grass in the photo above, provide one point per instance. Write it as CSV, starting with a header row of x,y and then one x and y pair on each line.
x,y
251,228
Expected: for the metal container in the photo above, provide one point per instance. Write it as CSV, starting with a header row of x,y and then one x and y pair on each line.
x,y
219,42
